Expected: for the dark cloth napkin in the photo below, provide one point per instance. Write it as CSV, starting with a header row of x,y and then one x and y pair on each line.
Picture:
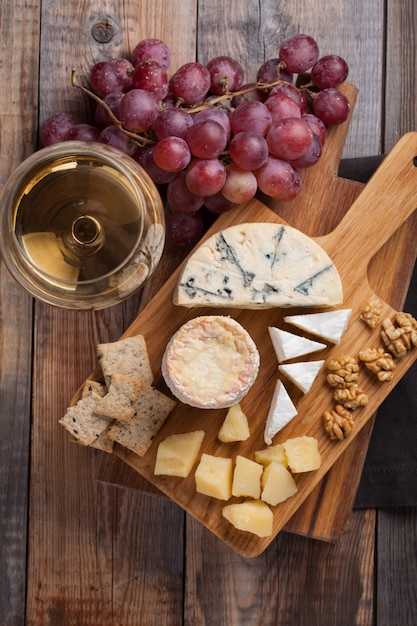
x,y
389,477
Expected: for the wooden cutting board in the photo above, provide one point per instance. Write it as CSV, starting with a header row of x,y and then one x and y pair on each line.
x,y
385,204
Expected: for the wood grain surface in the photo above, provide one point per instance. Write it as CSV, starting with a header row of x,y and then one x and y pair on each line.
x,y
77,551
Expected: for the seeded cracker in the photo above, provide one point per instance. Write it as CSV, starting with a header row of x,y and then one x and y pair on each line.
x,y
151,410
93,385
118,403
81,421
127,356
103,441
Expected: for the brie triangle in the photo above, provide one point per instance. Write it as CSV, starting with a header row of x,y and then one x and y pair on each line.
x,y
302,374
328,325
281,411
288,346
259,265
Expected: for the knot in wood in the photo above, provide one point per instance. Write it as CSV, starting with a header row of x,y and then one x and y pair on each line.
x,y
102,31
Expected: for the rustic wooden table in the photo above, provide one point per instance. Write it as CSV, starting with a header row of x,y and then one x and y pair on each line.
x,y
74,548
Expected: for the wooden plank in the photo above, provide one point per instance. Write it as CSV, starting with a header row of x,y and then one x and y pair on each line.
x,y
76,572
295,581
397,567
17,136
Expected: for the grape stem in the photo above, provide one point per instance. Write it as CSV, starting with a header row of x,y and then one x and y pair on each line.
x,y
140,138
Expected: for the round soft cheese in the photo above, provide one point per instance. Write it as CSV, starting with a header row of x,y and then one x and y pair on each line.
x,y
210,362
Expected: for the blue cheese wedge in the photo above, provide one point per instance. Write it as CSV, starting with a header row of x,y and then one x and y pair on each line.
x,y
302,374
329,325
259,265
211,362
289,346
281,412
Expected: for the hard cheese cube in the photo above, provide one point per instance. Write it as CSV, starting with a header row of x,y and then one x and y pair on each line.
x,y
213,476
277,484
253,516
176,455
272,453
302,453
247,478
235,426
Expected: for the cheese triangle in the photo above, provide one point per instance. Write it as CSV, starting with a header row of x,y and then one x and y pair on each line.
x,y
259,265
289,346
302,374
329,325
281,411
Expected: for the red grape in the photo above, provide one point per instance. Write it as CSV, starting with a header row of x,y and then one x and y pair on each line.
x,y
248,150
317,126
146,159
207,139
172,123
172,154
105,79
83,132
310,157
56,127
151,48
289,139
180,198
287,89
254,94
101,115
205,177
251,115
190,82
218,203
125,68
226,75
138,110
184,229
117,138
218,115
282,107
299,53
329,71
270,71
152,77
331,106
240,185
277,178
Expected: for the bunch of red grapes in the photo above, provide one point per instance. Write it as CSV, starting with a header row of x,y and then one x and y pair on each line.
x,y
210,139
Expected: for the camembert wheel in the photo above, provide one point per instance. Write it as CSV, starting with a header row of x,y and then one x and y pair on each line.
x,y
210,362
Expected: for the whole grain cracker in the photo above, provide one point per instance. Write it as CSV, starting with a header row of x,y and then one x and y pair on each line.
x,y
152,407
81,421
126,356
118,403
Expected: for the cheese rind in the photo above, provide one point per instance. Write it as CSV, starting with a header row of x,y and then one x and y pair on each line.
x,y
210,362
328,325
289,346
302,374
282,411
259,265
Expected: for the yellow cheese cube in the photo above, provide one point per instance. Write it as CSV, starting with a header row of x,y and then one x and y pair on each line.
x,y
235,426
213,476
253,516
247,478
272,453
176,455
302,453
277,484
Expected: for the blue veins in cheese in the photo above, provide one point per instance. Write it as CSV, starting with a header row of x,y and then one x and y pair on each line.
x,y
302,374
281,412
259,265
289,346
329,325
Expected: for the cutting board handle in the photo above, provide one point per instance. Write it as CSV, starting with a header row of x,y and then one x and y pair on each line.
x,y
389,198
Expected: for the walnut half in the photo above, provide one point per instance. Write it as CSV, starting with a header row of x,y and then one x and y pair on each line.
x,y
400,336
379,362
338,423
351,398
371,312
343,372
